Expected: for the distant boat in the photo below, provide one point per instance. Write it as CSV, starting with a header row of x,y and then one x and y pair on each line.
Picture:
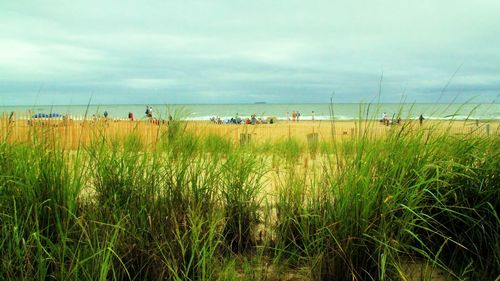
x,y
260,102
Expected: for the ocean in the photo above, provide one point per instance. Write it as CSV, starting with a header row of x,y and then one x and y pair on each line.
x,y
320,111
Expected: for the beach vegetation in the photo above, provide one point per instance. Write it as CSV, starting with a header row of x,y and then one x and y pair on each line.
x,y
412,202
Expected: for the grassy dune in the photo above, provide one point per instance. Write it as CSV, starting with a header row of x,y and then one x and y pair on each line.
x,y
411,203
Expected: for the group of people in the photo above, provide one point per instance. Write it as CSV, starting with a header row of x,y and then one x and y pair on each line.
x,y
148,112
232,120
252,120
385,119
295,116
46,115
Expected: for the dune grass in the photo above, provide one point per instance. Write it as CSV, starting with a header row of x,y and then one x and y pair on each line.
x,y
192,208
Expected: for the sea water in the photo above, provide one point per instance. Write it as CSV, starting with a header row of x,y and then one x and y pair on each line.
x,y
308,111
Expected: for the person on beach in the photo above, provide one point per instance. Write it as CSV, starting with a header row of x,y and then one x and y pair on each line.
x,y
385,119
148,111
294,116
131,116
253,120
421,119
105,114
312,114
150,115
298,116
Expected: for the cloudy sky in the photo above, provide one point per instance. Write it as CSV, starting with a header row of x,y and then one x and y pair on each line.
x,y
66,52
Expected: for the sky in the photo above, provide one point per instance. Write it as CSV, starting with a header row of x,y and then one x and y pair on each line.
x,y
221,51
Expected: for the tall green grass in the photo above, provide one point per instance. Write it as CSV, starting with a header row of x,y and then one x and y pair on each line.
x,y
394,200
191,208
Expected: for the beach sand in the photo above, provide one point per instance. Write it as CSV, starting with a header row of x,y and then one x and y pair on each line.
x,y
327,130
76,132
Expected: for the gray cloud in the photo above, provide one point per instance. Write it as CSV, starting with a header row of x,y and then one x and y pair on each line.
x,y
246,51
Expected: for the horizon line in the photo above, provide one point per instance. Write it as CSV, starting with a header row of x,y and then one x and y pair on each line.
x,y
243,103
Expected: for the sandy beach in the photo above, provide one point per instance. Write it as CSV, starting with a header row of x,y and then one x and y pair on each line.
x,y
75,132
327,130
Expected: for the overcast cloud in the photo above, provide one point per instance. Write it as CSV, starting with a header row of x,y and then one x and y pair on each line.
x,y
60,52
